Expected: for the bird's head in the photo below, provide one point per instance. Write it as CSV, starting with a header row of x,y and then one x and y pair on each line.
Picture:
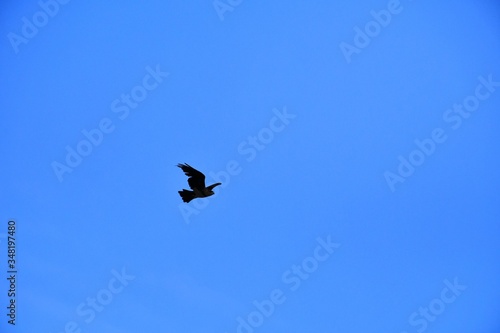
x,y
211,187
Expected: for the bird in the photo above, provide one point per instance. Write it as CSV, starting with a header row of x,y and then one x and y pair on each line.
x,y
196,182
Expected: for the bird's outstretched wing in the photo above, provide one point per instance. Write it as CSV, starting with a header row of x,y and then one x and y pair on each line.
x,y
196,179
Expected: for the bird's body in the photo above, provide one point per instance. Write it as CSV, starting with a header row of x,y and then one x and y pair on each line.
x,y
196,182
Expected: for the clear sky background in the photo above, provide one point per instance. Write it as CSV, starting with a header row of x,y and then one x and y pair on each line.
x,y
331,217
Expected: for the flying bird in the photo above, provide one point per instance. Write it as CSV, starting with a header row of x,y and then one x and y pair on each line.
x,y
196,182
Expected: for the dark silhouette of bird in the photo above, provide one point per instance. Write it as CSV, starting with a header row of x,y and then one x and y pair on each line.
x,y
196,182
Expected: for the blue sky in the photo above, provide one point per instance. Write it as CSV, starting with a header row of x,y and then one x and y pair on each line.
x,y
356,144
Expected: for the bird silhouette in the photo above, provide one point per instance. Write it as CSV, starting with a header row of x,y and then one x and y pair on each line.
x,y
196,182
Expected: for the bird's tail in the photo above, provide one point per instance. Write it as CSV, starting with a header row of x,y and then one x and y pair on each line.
x,y
186,195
